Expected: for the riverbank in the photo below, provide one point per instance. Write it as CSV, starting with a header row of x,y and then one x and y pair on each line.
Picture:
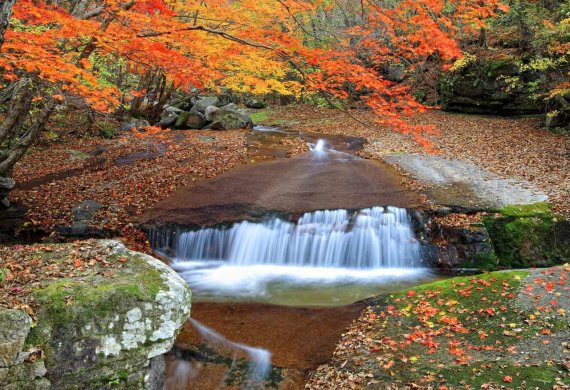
x,y
499,330
513,148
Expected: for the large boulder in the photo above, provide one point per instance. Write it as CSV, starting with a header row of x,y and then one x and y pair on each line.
x,y
488,87
169,116
224,119
209,111
188,120
201,104
99,330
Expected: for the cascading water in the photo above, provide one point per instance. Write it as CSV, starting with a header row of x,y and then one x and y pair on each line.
x,y
327,257
372,238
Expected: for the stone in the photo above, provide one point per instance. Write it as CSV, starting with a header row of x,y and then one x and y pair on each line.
x,y
557,119
230,106
254,103
224,119
201,104
481,87
14,328
209,111
85,210
134,123
188,120
7,183
168,118
114,330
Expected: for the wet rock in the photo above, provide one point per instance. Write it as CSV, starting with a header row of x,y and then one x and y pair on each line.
x,y
134,123
230,106
224,119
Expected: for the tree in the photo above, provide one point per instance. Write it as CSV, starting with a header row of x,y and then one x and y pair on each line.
x,y
118,55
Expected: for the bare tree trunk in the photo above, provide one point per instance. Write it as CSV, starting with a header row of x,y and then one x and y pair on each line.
x,y
5,14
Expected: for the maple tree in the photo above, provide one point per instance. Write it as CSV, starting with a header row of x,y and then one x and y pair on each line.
x,y
125,55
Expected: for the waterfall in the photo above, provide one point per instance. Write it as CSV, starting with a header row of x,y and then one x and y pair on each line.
x,y
371,238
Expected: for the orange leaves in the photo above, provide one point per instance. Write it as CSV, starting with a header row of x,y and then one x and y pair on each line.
x,y
410,293
507,379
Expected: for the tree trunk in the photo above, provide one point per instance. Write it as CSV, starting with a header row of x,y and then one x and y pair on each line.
x,y
5,14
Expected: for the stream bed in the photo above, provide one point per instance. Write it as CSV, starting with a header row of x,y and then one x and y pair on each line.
x,y
273,293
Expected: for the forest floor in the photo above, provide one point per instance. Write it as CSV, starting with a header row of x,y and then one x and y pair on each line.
x,y
506,329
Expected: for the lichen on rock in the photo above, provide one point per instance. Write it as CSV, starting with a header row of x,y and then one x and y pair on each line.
x,y
104,328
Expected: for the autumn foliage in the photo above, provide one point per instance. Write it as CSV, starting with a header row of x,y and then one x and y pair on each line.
x,y
102,50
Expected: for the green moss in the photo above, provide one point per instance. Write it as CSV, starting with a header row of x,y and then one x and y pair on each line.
x,y
529,235
260,116
483,261
533,377
530,210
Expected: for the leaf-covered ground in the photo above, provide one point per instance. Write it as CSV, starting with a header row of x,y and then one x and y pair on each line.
x,y
126,175
516,148
498,330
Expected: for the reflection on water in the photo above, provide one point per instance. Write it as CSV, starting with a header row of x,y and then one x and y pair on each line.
x,y
185,370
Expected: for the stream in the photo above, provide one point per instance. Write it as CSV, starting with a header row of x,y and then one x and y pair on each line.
x,y
273,294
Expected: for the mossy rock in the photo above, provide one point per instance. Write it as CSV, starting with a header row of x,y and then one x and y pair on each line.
x,y
529,236
103,329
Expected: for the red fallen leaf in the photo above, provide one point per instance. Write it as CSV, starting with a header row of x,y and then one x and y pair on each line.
x,y
411,293
507,379
77,263
490,311
554,303
16,290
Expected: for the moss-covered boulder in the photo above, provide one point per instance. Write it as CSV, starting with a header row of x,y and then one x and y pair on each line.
x,y
529,236
110,326
479,86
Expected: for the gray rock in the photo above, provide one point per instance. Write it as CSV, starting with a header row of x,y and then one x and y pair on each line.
x,y
230,119
134,123
6,183
201,104
230,106
255,103
168,118
188,120
85,210
14,328
209,111
114,330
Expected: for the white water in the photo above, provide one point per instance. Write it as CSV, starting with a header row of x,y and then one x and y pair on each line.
x,y
371,238
329,257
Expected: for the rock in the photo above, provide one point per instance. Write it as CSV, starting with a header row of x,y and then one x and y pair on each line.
x,y
230,106
134,123
482,87
85,210
112,330
254,103
6,185
224,119
557,119
169,117
209,111
14,328
201,104
188,120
